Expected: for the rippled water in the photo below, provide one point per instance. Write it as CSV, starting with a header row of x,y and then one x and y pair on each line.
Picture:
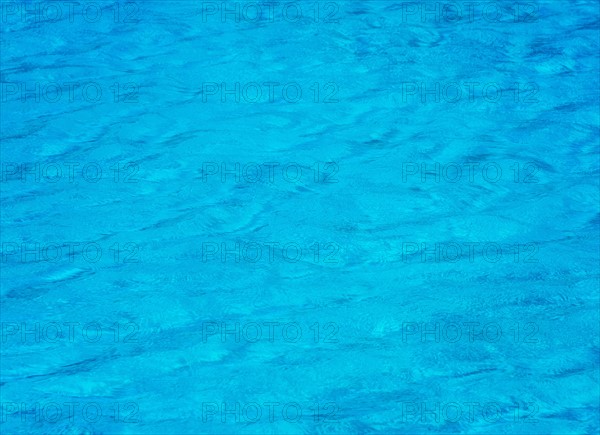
x,y
403,237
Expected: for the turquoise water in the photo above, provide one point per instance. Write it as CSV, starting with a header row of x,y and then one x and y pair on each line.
x,y
351,217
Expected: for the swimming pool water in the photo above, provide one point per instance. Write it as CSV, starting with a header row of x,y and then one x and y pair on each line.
x,y
309,217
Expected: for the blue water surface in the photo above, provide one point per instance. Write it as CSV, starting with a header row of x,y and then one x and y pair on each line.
x,y
309,217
